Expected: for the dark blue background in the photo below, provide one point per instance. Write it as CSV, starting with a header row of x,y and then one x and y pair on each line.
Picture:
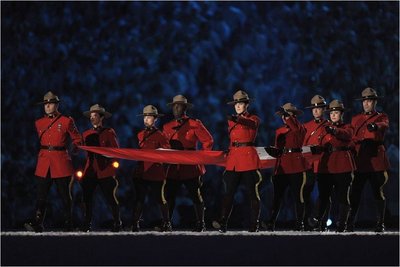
x,y
125,55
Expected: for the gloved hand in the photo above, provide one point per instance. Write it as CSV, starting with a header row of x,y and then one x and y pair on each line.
x,y
330,129
273,151
372,127
74,149
232,117
316,149
282,111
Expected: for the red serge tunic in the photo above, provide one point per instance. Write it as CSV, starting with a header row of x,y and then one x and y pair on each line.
x,y
96,165
58,162
152,138
243,158
314,132
371,155
290,136
184,134
337,157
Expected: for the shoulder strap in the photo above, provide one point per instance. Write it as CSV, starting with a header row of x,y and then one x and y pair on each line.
x,y
177,128
147,137
364,122
48,127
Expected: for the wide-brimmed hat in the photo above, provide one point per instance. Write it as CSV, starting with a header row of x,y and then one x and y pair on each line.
x,y
239,96
98,109
317,102
289,107
368,93
180,99
49,97
336,105
150,110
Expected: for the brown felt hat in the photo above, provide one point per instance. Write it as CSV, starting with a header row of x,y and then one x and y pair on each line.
x,y
49,97
368,93
98,109
336,105
150,110
180,99
317,102
289,107
239,96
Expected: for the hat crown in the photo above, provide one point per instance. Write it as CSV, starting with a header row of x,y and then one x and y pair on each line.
x,y
241,95
50,96
318,100
336,104
369,92
289,106
150,109
179,99
97,108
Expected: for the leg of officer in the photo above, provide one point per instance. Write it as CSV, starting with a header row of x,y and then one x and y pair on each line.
x,y
230,182
158,192
355,196
253,179
109,187
297,182
194,188
172,188
43,188
378,181
88,185
343,187
308,203
325,188
140,186
64,188
280,183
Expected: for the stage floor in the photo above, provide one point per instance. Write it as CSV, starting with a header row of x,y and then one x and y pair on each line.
x,y
209,248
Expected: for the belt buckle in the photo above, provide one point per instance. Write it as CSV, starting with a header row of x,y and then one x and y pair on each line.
x,y
50,148
236,144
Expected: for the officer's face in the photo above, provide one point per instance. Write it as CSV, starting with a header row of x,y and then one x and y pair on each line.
x,y
369,105
149,121
178,110
336,115
50,108
241,107
96,119
317,112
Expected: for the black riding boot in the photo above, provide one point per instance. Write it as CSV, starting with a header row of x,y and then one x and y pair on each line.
x,y
200,224
137,213
344,212
37,224
380,226
222,223
166,224
299,217
254,216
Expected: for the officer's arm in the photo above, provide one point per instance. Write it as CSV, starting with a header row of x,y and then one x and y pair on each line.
x,y
73,132
251,122
164,141
113,139
204,136
345,133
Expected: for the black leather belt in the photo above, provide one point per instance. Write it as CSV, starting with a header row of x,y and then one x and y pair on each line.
x,y
340,148
53,148
238,144
291,150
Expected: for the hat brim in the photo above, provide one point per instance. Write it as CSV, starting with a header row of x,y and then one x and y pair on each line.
x,y
337,109
148,114
188,105
50,101
296,112
238,101
369,98
317,106
105,113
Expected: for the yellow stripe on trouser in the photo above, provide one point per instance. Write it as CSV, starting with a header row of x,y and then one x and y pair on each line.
x,y
349,188
256,186
302,187
71,183
198,190
115,190
162,192
381,188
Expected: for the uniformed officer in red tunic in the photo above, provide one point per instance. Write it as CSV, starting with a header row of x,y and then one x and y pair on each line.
x,y
242,162
335,167
150,175
184,133
99,170
54,162
290,167
370,156
314,130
